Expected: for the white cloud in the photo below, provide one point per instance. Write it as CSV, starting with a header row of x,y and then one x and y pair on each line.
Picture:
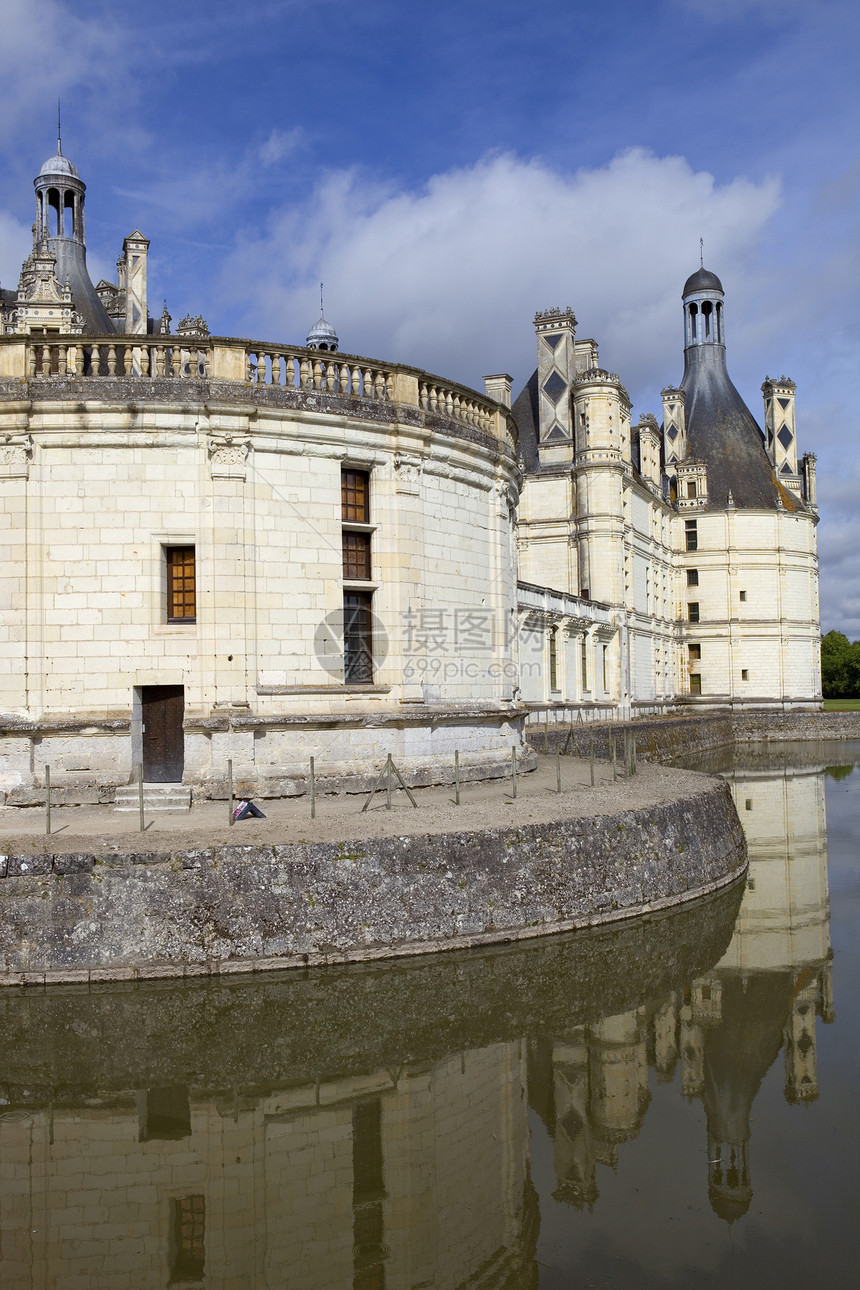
x,y
449,277
15,245
50,49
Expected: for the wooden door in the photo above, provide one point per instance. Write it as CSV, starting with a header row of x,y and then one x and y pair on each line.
x,y
163,708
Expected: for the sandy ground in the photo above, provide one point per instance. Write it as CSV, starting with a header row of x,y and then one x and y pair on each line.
x,y
488,804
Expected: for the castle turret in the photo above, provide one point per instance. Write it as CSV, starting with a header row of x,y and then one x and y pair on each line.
x,y
59,232
601,411
722,433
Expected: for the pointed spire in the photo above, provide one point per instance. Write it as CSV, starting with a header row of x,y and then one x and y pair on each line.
x,y
701,253
59,132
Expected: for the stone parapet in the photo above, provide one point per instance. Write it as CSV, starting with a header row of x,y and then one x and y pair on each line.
x,y
347,1019
243,908
670,738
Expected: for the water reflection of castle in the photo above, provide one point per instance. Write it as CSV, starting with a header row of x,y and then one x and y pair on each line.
x,y
415,1173
727,1028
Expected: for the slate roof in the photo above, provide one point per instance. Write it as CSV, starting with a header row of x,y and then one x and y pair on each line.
x,y
702,280
724,434
527,417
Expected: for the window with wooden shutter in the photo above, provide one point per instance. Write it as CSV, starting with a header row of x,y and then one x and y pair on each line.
x,y
355,496
181,585
356,556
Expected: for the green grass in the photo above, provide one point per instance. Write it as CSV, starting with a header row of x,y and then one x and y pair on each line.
x,y
842,705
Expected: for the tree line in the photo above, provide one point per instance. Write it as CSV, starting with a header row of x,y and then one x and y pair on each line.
x,y
840,667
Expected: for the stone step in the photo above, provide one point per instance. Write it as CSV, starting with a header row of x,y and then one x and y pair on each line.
x,y
156,797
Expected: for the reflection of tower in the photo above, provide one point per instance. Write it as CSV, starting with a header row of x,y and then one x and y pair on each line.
x,y
773,979
591,1090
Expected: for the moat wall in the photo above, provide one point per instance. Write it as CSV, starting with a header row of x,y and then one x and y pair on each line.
x,y
78,917
670,738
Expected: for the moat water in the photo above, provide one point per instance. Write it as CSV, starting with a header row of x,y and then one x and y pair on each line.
x,y
673,1102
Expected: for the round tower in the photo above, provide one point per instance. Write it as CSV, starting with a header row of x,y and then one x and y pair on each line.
x,y
59,231
704,301
601,413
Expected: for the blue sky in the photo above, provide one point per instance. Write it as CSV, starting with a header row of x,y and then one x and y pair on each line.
x,y
449,168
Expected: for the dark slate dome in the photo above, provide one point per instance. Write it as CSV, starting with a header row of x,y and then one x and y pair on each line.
x,y
702,280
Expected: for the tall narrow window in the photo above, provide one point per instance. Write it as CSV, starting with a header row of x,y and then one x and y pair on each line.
x,y
692,577
553,659
693,611
695,683
357,567
356,556
181,585
357,638
584,662
691,488
605,686
355,496
368,1195
695,652
691,534
188,1253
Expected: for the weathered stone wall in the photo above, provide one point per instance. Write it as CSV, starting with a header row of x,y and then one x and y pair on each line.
x,y
345,1019
84,917
670,738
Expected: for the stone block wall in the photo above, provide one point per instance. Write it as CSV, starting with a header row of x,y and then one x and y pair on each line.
x,y
70,917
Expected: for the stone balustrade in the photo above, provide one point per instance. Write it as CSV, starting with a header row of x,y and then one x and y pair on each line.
x,y
217,358
456,402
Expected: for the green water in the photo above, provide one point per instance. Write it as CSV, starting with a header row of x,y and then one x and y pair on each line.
x,y
673,1102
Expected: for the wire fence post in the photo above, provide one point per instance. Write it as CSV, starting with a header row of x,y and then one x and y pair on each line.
x,y
142,819
47,799
513,772
388,786
591,758
230,788
614,759
558,771
456,777
633,753
313,792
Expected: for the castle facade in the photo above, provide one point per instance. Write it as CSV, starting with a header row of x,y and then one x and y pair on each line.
x,y
218,550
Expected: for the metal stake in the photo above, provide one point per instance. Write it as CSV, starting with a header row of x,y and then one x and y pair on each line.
x,y
230,787
47,799
558,771
614,759
140,796
313,792
633,754
456,777
388,788
513,772
591,759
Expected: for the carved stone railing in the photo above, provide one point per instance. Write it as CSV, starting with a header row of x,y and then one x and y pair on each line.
x,y
161,356
251,363
456,402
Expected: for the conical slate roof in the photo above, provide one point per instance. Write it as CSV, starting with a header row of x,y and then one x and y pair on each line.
x,y
721,430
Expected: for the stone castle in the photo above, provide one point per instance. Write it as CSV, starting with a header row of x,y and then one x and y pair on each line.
x,y
220,550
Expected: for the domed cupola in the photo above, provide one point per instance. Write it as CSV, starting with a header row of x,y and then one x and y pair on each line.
x,y
59,232
721,431
703,309
322,335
